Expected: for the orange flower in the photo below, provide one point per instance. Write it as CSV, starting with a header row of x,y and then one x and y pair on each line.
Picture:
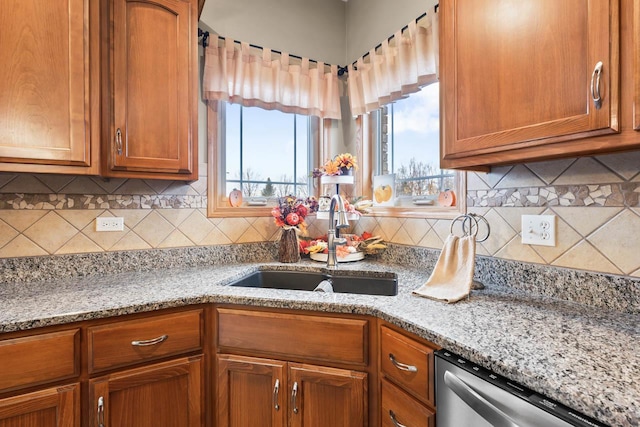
x,y
331,168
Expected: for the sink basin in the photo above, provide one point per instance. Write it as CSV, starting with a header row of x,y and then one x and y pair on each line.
x,y
308,281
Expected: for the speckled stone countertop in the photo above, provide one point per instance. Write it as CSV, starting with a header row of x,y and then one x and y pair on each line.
x,y
584,357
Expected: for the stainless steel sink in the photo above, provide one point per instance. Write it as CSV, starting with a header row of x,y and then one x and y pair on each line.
x,y
308,281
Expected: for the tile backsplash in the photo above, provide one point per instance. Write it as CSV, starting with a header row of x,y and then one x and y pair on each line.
x,y
596,200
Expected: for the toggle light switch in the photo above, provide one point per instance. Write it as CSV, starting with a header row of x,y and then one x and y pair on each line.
x,y
539,230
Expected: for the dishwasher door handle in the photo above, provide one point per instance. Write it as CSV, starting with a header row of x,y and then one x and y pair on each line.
x,y
484,408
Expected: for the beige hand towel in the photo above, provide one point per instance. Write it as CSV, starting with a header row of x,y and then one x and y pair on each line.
x,y
452,275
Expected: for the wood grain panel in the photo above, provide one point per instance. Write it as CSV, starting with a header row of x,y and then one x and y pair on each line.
x,y
517,74
166,394
44,82
406,410
329,339
328,397
54,407
110,345
409,352
245,392
39,359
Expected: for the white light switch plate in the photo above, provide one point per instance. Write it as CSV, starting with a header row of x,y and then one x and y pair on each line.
x,y
109,223
539,230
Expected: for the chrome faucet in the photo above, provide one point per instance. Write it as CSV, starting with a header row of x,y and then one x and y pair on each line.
x,y
341,222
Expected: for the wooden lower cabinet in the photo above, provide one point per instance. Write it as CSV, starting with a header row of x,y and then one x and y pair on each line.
x,y
52,407
167,394
323,397
399,408
263,392
251,392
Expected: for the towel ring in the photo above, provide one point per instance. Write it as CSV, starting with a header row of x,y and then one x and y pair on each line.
x,y
471,225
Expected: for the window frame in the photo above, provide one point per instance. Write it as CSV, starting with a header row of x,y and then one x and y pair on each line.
x,y
366,128
216,185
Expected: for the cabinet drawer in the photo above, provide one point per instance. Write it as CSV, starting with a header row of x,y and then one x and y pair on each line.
x,y
39,359
408,363
398,406
327,339
133,341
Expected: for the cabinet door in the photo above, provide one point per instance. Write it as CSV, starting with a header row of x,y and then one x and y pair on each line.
x,y
53,407
167,394
251,392
520,74
154,101
44,82
323,397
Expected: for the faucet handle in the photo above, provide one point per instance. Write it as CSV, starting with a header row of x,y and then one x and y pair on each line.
x,y
340,241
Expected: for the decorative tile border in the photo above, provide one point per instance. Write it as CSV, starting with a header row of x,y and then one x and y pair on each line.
x,y
625,194
105,201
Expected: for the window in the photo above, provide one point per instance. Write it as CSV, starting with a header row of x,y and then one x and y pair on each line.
x,y
264,153
406,134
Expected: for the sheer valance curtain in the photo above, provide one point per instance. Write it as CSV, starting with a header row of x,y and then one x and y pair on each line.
x,y
397,68
234,74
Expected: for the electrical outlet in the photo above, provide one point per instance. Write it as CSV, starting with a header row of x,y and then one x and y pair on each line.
x,y
109,223
539,230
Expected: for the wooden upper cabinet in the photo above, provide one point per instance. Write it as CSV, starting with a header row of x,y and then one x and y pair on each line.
x,y
519,79
45,85
152,87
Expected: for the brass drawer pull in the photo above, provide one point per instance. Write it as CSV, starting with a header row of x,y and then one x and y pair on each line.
x,y
402,366
394,420
154,341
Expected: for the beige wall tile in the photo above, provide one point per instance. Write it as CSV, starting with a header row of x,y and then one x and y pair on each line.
x,y
82,185
519,176
586,219
79,244
402,238
583,256
390,226
7,233
176,216
618,241
233,228
496,174
195,226
267,228
250,235
132,217
442,228
153,229
80,218
50,232
131,241
431,240
513,215
215,237
566,237
416,229
21,219
21,246
134,186
585,170
24,183
501,232
474,182
548,171
627,164
108,185
175,240
158,185
514,250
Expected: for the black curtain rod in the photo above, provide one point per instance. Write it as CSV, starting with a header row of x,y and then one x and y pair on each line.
x,y
205,43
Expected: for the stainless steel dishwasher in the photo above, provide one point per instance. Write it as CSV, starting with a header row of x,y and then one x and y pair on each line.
x,y
468,395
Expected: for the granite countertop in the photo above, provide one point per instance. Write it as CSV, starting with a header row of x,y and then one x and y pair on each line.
x,y
585,358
